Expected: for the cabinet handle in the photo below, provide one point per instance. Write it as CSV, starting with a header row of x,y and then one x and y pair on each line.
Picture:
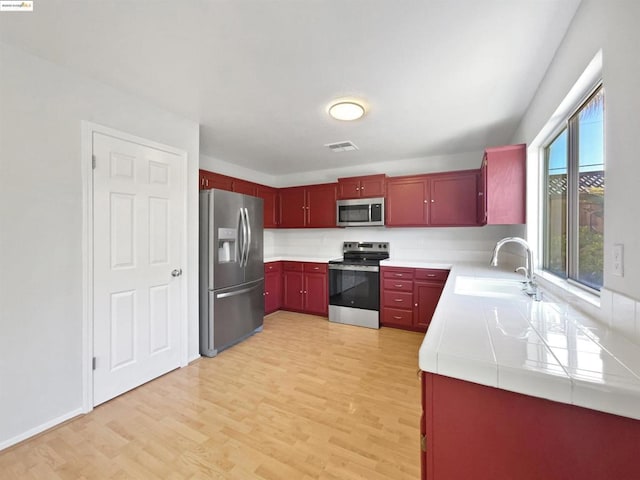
x,y
426,201
397,275
362,187
431,274
398,300
397,317
357,188
480,194
206,182
433,201
300,292
416,304
305,292
316,268
398,286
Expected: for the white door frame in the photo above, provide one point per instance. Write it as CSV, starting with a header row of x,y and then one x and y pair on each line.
x,y
88,129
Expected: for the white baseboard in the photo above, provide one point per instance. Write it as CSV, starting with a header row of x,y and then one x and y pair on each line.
x,y
40,428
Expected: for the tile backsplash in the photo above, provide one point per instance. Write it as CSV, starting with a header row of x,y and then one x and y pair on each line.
x,y
420,244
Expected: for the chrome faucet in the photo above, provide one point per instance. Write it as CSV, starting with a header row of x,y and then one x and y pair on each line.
x,y
530,287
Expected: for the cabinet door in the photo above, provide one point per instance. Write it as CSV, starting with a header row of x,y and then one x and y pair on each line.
x,y
222,182
454,199
269,198
316,296
372,186
321,206
292,295
482,193
348,188
272,292
293,211
244,187
425,298
406,202
506,184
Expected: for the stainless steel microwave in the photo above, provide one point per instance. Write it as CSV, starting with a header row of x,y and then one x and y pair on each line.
x,y
360,212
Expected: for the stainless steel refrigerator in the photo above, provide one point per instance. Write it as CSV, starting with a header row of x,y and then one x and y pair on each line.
x,y
231,269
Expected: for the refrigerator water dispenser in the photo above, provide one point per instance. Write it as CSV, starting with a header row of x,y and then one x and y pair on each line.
x,y
227,245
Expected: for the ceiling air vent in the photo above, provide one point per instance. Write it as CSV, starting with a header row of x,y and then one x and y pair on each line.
x,y
345,146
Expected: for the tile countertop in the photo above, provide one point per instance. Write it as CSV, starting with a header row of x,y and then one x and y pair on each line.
x,y
298,258
486,331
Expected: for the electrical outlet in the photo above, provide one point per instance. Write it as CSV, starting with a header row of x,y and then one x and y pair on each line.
x,y
618,259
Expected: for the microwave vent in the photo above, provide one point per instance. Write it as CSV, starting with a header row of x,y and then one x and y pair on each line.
x,y
345,146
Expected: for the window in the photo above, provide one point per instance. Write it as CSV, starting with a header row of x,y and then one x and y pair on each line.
x,y
573,219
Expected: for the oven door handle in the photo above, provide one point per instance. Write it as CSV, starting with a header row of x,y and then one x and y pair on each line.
x,y
356,268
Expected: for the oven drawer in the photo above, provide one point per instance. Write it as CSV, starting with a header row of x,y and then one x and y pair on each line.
x,y
397,299
402,285
396,316
430,274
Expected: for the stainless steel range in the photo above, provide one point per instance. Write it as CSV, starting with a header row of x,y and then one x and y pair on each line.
x,y
354,284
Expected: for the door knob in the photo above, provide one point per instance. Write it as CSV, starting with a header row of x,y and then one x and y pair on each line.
x,y
176,273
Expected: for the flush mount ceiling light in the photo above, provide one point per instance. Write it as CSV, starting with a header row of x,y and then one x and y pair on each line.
x,y
346,110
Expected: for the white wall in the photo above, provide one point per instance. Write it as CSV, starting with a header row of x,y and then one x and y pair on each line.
x,y
41,110
613,27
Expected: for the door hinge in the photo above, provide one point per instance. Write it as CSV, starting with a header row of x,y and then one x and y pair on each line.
x,y
423,443
93,363
93,162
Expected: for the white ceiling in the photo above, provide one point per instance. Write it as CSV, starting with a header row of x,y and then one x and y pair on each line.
x,y
438,76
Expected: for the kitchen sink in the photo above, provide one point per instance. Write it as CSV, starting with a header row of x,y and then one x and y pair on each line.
x,y
488,287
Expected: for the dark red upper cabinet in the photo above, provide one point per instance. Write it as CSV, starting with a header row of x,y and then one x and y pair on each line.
x,y
293,212
244,187
439,200
321,206
453,199
361,187
406,202
309,206
502,186
269,197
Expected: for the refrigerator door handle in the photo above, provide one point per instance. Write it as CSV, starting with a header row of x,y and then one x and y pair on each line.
x,y
236,292
243,258
241,236
246,217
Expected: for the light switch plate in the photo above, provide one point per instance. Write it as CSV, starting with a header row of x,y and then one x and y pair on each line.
x,y
618,259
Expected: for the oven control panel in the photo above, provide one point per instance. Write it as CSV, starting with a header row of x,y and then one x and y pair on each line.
x,y
349,247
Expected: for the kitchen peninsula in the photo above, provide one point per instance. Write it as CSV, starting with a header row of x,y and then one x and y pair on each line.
x,y
514,388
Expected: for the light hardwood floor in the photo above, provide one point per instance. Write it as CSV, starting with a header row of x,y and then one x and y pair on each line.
x,y
304,399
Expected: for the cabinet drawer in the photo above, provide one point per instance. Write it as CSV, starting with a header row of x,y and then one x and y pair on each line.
x,y
429,274
272,267
315,267
395,316
397,299
393,284
406,273
292,266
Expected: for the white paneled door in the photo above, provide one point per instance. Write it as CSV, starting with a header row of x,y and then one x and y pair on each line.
x,y
137,249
